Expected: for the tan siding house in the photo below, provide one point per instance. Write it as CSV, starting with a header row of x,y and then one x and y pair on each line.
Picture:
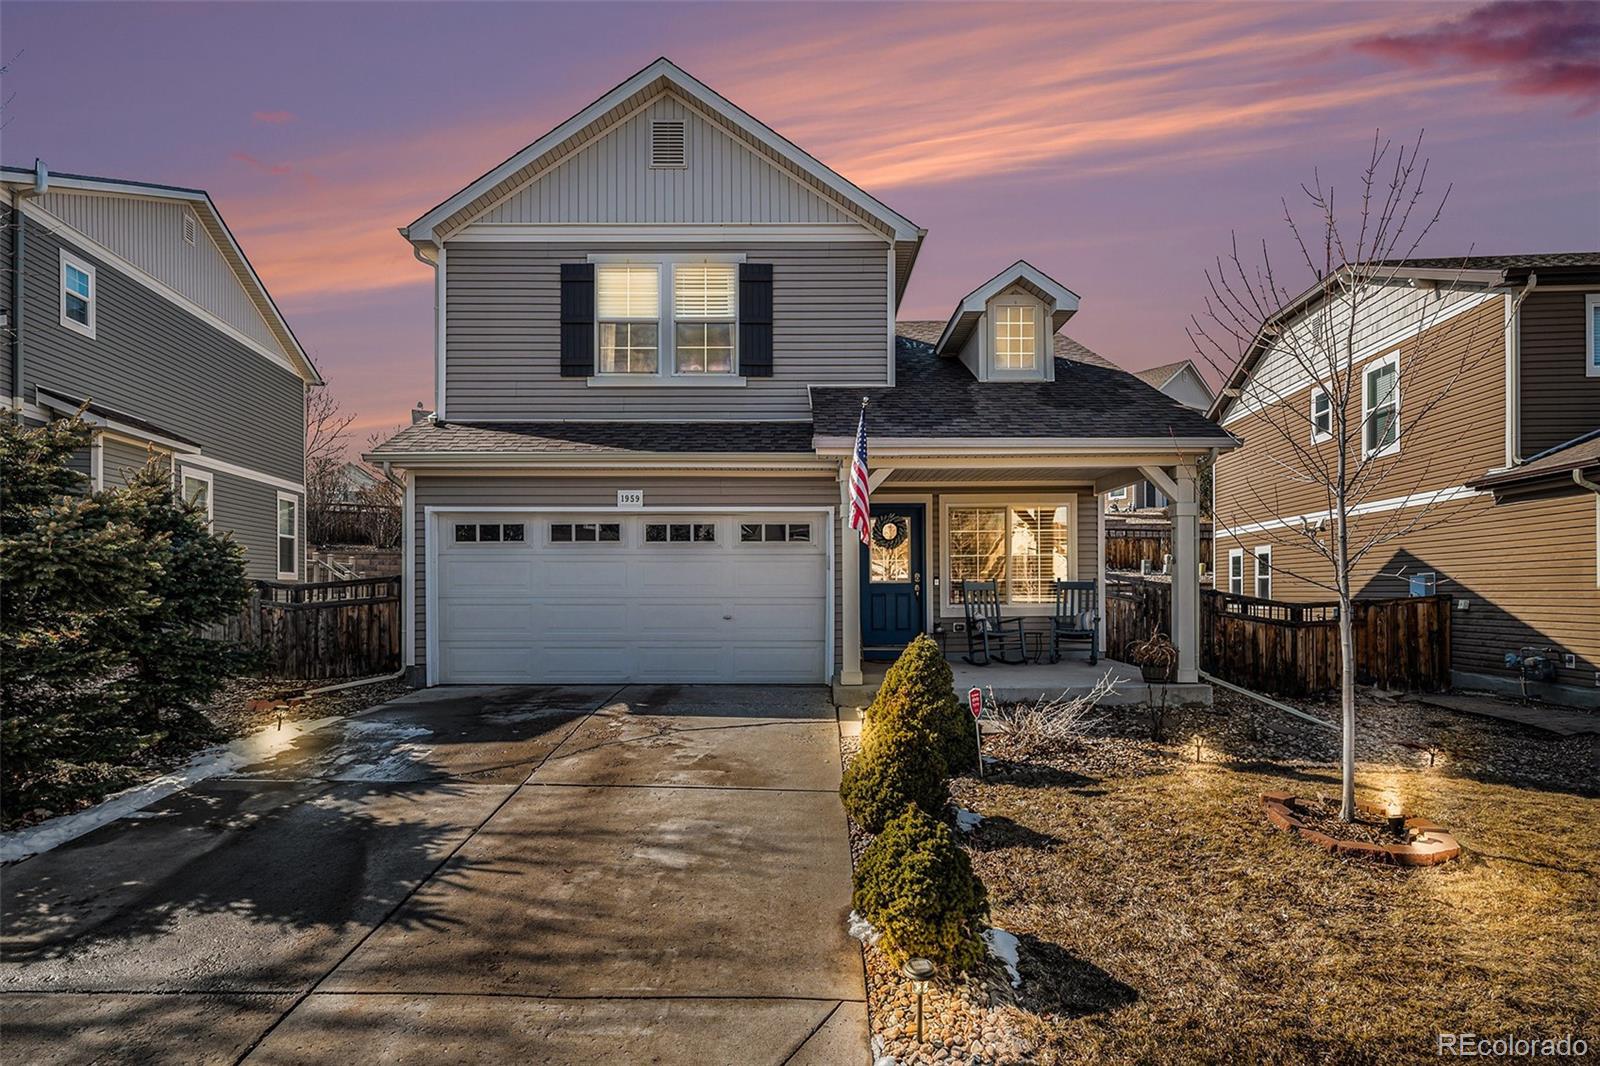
x,y
1489,492
657,329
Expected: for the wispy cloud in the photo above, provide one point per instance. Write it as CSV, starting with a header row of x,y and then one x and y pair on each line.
x,y
1547,48
272,118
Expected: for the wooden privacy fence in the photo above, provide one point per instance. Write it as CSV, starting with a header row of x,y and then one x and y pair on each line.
x,y
322,629
1129,546
1292,649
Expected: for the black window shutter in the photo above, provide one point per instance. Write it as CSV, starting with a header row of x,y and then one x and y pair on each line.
x,y
577,320
755,320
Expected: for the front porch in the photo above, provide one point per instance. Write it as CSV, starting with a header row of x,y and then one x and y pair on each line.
x,y
1021,520
1072,676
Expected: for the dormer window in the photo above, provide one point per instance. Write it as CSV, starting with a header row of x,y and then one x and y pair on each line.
x,y
1016,337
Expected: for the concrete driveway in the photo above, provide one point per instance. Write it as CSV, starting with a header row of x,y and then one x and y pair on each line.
x,y
554,875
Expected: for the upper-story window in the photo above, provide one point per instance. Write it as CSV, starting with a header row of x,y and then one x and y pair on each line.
x,y
672,318
1016,337
628,308
704,313
1321,416
1380,406
77,294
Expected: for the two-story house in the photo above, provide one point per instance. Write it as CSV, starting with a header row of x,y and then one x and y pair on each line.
x,y
1478,383
134,303
656,327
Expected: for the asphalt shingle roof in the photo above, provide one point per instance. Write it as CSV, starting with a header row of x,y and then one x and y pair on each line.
x,y
597,438
1157,376
1528,261
936,398
928,331
1575,454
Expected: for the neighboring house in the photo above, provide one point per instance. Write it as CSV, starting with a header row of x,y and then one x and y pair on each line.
x,y
353,483
656,326
1508,460
1183,383
135,300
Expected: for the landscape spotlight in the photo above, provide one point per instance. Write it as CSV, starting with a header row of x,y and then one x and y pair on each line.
x,y
919,972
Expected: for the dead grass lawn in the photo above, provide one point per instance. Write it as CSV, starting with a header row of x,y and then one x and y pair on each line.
x,y
1164,920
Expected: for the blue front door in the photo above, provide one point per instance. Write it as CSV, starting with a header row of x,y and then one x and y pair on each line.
x,y
891,580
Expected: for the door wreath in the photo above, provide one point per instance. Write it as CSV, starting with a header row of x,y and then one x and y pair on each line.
x,y
889,531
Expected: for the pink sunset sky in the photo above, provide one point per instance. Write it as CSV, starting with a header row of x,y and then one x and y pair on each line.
x,y
1117,147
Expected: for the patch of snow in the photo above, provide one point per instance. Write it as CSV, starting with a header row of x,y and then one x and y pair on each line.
x,y
966,820
1003,946
881,1057
861,929
210,762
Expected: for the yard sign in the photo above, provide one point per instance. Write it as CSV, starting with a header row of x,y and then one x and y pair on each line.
x,y
975,701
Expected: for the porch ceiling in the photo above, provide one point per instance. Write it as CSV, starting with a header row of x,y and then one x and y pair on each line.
x,y
998,475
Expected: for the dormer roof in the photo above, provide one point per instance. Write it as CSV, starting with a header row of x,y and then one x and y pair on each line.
x,y
1062,301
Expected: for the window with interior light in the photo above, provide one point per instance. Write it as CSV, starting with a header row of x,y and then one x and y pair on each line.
x,y
1016,337
704,316
1023,547
628,311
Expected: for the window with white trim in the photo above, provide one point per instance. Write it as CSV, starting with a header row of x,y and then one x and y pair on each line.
x,y
1380,406
1016,336
1321,416
628,310
705,302
1023,547
1423,583
1120,495
288,536
670,317
1263,556
196,489
1591,334
1236,571
77,294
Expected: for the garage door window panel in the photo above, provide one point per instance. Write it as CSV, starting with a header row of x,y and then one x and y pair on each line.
x,y
775,533
585,533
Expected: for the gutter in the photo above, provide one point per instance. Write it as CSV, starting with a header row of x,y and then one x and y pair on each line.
x,y
19,258
1513,344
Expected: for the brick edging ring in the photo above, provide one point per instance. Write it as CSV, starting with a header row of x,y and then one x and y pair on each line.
x,y
1432,846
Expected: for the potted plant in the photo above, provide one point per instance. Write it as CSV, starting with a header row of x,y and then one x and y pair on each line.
x,y
1156,658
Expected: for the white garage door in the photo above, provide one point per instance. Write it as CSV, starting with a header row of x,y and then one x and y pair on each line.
x,y
551,597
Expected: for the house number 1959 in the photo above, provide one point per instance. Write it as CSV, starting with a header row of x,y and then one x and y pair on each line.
x,y
630,497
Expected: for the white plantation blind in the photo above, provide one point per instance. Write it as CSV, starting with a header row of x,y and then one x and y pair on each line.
x,y
704,290
626,290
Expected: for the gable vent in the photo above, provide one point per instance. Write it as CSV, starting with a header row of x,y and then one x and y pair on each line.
x,y
188,228
667,144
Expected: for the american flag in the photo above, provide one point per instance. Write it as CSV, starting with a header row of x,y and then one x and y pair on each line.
x,y
860,505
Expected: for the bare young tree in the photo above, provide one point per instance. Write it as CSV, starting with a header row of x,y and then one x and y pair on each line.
x,y
1339,454
327,437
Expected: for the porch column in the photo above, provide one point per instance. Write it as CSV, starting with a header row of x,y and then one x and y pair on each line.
x,y
1186,572
850,570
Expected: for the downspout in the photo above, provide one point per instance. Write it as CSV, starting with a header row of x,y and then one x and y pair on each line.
x,y
19,258
1584,483
1514,373
438,323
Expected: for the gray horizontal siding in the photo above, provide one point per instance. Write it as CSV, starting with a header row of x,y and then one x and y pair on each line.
x,y
121,460
611,181
830,325
601,493
247,511
157,362
149,234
